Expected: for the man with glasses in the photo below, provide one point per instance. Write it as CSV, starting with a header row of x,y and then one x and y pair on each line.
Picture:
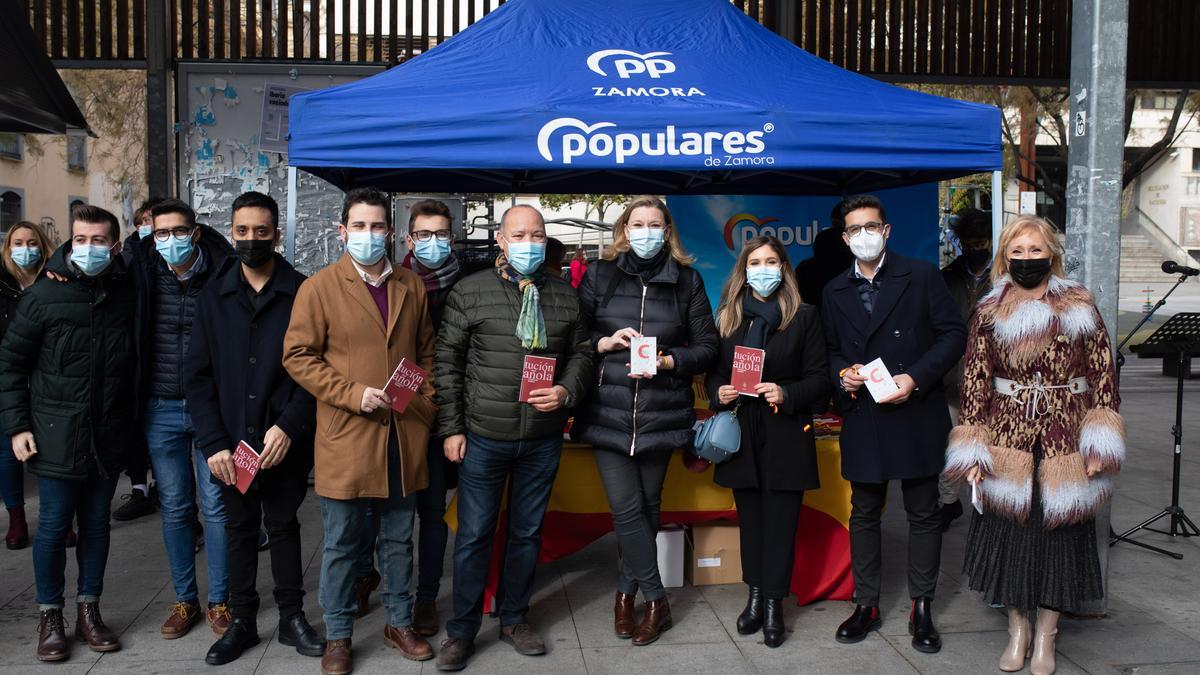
x,y
177,262
430,256
895,308
492,320
351,325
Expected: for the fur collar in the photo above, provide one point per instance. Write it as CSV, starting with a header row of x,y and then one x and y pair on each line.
x,y
1026,326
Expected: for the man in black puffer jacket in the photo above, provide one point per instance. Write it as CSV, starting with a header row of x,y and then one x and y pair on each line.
x,y
177,262
68,373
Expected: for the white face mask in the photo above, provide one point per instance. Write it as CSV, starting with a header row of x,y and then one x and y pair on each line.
x,y
866,246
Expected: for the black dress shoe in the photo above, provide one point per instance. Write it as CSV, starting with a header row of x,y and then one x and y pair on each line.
x,y
296,632
920,626
773,629
750,620
239,637
862,621
949,512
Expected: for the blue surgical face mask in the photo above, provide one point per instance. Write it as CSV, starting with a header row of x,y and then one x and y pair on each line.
x,y
526,256
174,251
145,231
763,279
91,259
431,253
646,242
26,256
366,247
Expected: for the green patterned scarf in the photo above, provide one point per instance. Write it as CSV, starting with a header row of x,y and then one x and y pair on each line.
x,y
531,327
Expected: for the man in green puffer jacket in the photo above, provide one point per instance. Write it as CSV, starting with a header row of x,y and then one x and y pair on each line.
x,y
491,321
68,374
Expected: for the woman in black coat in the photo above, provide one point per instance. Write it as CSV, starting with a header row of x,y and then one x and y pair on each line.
x,y
761,308
644,286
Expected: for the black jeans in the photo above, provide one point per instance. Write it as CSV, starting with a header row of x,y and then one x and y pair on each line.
x,y
272,500
634,488
768,535
924,537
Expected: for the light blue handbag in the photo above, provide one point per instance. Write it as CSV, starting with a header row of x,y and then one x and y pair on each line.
x,y
719,437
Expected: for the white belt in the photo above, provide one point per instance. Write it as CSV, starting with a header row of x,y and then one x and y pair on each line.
x,y
1033,394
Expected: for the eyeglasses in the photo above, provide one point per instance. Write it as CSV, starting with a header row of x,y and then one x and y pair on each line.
x,y
872,227
179,233
426,235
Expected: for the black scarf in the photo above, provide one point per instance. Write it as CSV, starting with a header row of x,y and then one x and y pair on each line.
x,y
647,268
763,317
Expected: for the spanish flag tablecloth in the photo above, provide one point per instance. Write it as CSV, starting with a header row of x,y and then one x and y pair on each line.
x,y
578,514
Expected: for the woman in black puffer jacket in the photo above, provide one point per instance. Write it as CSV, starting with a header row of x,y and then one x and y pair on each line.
x,y
644,286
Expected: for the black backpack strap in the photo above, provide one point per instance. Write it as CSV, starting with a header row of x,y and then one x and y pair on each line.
x,y
611,289
683,290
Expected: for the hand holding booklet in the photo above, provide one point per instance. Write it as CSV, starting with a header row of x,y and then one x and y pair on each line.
x,y
404,383
247,462
879,380
537,372
643,356
747,369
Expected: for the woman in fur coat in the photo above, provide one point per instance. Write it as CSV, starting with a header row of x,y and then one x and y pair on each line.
x,y
1040,439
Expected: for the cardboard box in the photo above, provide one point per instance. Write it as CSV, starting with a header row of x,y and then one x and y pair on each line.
x,y
714,554
670,555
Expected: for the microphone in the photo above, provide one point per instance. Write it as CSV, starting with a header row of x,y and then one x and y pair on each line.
x,y
1172,267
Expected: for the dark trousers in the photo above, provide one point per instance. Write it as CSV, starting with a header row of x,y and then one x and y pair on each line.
x,y
528,467
767,520
272,500
634,487
59,503
12,474
137,467
924,537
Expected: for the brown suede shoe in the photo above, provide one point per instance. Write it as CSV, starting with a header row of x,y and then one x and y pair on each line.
x,y
454,654
363,587
219,618
337,660
654,623
412,646
90,627
624,621
52,636
524,639
184,615
425,618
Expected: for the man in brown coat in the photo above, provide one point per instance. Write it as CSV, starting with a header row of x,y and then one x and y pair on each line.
x,y
351,324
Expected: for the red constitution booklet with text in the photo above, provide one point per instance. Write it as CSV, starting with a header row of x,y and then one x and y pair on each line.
x,y
404,383
536,373
747,369
247,462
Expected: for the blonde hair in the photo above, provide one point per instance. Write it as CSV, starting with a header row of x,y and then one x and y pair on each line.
x,y
43,245
673,243
729,311
1022,224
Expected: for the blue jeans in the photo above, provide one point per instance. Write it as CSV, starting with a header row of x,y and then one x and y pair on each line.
x,y
60,502
181,471
12,474
529,467
345,523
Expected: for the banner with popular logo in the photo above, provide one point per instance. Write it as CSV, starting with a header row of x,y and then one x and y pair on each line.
x,y
713,227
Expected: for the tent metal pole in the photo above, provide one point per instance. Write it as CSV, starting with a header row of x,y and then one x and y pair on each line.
x,y
289,244
997,207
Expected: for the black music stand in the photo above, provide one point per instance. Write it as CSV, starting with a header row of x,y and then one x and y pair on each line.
x,y
1178,338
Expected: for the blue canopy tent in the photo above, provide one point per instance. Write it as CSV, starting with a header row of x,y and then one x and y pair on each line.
x,y
632,96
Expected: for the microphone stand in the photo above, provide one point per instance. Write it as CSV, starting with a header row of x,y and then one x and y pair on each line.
x,y
1129,336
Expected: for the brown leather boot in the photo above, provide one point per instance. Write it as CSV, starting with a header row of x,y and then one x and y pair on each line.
x,y
624,621
362,588
425,618
655,622
412,646
52,636
184,615
18,530
90,626
337,660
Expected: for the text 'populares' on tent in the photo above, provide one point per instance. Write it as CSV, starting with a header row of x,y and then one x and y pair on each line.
x,y
626,96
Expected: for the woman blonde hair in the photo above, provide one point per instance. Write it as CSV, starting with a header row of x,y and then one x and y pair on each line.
x,y
729,311
43,245
673,244
1024,224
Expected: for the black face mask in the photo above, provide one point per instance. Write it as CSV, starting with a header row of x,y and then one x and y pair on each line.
x,y
255,252
1029,272
978,258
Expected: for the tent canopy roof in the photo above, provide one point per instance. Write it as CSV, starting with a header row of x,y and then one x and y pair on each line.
x,y
632,96
33,98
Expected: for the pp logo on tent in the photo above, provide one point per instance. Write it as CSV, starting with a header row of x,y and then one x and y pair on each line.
x,y
631,64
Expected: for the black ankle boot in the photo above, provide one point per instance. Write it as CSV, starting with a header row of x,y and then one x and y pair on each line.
x,y
925,637
750,620
855,629
240,636
773,622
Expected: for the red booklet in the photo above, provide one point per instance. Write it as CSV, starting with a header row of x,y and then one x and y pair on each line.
x,y
247,462
747,369
536,373
404,383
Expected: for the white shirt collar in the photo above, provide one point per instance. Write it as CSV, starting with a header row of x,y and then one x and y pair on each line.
x,y
882,258
387,272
